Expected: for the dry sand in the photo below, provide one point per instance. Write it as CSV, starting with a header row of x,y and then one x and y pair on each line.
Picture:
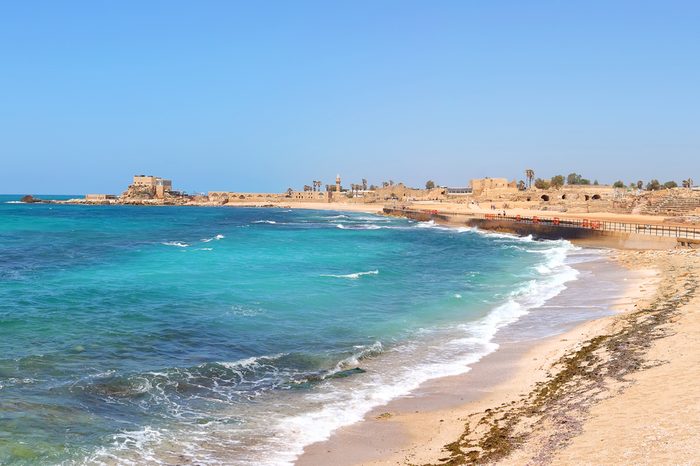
x,y
337,206
618,390
655,418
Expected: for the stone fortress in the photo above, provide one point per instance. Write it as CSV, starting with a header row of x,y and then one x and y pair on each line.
x,y
494,193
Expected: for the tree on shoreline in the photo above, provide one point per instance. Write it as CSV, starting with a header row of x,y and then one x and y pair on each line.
x,y
430,184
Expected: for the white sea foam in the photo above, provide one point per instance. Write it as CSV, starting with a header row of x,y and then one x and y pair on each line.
x,y
14,202
354,276
354,360
250,362
178,244
269,222
475,230
339,402
215,238
428,224
475,340
358,227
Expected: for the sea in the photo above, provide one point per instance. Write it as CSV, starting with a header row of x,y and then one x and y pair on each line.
x,y
216,335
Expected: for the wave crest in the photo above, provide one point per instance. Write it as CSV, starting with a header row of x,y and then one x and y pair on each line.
x,y
353,276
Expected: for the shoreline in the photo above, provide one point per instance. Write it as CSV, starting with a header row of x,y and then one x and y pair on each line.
x,y
414,429
617,390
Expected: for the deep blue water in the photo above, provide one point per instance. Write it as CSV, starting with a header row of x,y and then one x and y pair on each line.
x,y
182,334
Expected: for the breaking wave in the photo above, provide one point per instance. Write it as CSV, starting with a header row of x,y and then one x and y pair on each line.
x,y
353,276
215,238
178,244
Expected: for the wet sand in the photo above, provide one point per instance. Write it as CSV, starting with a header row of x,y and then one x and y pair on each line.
x,y
415,429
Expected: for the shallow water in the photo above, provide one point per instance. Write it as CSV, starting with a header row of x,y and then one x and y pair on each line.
x,y
218,335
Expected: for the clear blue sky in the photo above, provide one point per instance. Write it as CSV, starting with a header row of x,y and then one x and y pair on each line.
x,y
263,95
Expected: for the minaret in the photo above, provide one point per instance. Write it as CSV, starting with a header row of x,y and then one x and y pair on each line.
x,y
337,183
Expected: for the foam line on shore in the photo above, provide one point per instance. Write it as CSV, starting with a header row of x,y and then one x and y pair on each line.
x,y
295,432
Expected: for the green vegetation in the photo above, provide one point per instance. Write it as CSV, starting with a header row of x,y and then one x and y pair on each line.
x,y
618,184
575,178
541,184
557,181
653,185
430,184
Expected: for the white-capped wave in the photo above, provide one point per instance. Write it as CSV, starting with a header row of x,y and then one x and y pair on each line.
x,y
342,401
358,227
353,276
354,360
475,230
269,222
250,362
178,244
14,202
472,342
214,238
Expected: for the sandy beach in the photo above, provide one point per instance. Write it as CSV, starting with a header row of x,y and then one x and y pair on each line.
x,y
599,393
340,207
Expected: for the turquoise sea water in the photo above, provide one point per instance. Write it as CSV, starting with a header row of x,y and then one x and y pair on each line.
x,y
134,335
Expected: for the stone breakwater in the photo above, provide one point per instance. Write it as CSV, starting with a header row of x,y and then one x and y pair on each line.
x,y
588,232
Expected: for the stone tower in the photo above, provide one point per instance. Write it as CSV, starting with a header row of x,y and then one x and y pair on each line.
x,y
337,183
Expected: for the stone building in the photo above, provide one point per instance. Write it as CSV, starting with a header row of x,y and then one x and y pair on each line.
x,y
153,185
482,186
